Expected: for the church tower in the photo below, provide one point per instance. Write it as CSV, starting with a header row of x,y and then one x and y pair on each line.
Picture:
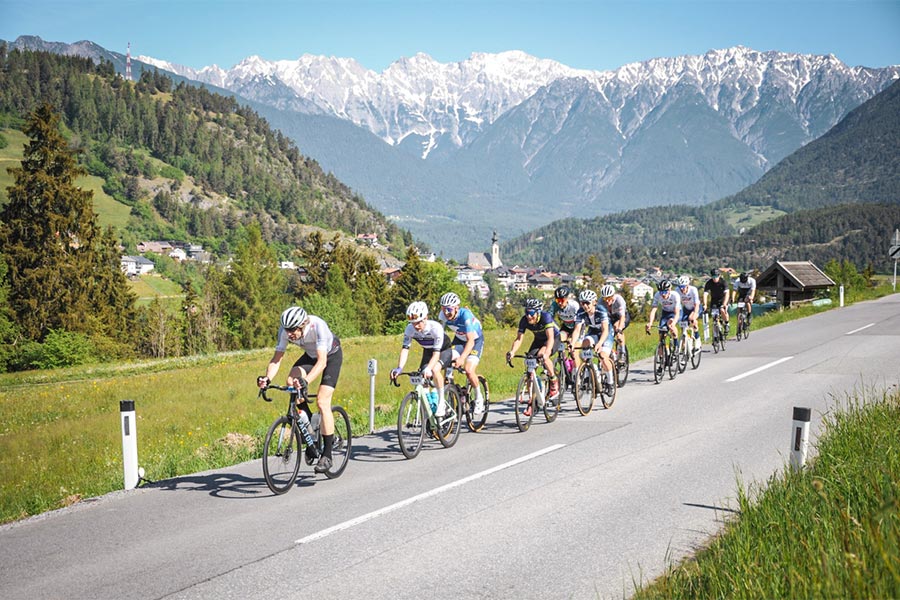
x,y
495,253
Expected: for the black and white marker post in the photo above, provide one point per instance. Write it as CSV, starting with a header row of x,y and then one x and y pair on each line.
x,y
129,444
800,437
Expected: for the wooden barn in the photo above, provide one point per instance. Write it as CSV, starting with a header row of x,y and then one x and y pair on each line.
x,y
793,282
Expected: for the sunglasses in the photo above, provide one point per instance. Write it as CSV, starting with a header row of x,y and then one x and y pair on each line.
x,y
448,309
585,302
414,318
531,313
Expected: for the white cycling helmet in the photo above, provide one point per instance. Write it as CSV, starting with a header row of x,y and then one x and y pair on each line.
x,y
607,291
587,296
533,304
449,299
684,281
417,311
293,317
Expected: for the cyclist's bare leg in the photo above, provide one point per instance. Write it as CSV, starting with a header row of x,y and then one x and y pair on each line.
x,y
323,400
471,373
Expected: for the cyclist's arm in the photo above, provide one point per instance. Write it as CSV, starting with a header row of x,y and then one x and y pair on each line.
x,y
274,364
401,361
467,349
321,361
651,317
516,343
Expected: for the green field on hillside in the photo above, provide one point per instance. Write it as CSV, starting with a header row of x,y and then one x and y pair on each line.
x,y
150,286
109,210
750,216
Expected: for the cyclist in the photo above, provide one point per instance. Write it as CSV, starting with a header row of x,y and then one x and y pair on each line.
x,y
618,311
594,322
541,324
468,342
715,296
691,308
745,291
670,303
566,308
322,356
436,350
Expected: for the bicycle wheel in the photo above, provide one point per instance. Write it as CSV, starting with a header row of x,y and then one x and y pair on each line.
x,y
473,423
682,354
659,362
551,407
448,425
722,337
559,368
716,335
740,327
623,366
747,327
343,442
585,388
281,455
672,361
526,402
696,354
411,425
608,390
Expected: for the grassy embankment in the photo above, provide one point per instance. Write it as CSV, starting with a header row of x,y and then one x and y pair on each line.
x,y
829,531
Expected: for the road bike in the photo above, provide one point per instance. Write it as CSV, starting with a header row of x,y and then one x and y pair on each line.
x,y
467,397
621,361
296,430
564,366
718,331
664,357
416,415
743,321
688,348
589,383
530,393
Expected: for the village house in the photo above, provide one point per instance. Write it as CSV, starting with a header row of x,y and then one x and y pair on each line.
x,y
133,266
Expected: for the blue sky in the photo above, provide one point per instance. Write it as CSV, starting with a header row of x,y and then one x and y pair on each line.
x,y
587,34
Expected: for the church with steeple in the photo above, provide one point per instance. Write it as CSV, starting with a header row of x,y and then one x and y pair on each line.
x,y
484,261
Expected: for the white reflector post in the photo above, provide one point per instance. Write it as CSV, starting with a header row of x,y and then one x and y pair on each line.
x,y
129,443
799,437
373,370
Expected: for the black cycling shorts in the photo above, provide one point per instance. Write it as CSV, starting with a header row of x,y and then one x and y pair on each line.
x,y
332,367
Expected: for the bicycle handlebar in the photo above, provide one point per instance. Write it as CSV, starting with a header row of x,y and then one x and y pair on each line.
x,y
284,388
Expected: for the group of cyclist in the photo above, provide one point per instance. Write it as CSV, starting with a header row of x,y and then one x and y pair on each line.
x,y
583,323
684,306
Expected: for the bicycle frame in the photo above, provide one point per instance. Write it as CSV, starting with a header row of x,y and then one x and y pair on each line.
x,y
530,393
414,418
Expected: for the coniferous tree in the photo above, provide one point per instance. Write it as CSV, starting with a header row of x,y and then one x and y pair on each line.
x,y
254,293
410,286
64,270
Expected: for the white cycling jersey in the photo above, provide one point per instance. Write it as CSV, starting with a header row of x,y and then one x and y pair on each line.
x,y
689,299
743,289
669,304
317,336
431,337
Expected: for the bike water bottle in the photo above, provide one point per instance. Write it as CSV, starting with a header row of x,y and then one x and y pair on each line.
x,y
433,400
303,422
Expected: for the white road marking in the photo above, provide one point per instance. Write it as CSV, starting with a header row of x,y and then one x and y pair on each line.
x,y
438,490
860,329
758,369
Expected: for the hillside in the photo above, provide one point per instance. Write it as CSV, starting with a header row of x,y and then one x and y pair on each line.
x,y
187,163
858,161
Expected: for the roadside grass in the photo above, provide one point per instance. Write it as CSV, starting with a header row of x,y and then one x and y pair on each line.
x,y
60,437
831,530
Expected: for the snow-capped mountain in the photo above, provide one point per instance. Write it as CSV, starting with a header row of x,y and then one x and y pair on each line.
x,y
509,141
437,103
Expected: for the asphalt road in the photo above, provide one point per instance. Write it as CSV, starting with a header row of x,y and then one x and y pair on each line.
x,y
579,508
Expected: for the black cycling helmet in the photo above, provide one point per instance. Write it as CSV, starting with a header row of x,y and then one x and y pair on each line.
x,y
744,276
714,273
664,286
562,291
